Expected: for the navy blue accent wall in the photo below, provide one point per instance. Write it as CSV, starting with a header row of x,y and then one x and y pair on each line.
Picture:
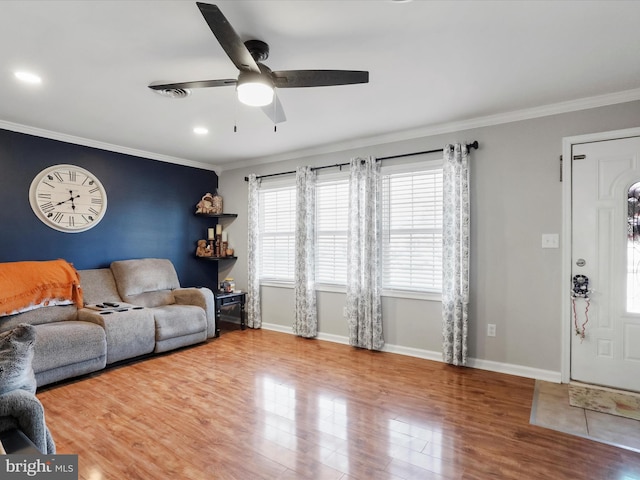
x,y
150,209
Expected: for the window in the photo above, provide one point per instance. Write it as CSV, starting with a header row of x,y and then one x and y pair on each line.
x,y
277,232
332,218
633,249
412,230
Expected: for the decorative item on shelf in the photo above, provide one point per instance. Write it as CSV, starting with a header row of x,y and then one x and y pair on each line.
x,y
203,250
205,205
216,252
230,252
210,203
218,244
217,202
225,244
211,248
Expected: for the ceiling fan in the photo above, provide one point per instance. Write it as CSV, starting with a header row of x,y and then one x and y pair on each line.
x,y
256,82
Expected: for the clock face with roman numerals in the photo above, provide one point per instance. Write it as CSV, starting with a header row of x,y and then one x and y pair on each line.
x,y
68,198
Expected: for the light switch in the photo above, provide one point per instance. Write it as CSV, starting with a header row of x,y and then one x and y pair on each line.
x,y
550,240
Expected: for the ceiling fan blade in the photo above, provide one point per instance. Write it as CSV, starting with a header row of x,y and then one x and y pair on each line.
x,y
228,38
318,78
274,111
197,84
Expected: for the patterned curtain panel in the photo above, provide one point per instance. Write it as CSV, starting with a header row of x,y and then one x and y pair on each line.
x,y
455,257
364,278
306,316
254,316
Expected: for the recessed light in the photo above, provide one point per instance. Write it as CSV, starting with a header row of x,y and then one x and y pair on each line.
x,y
28,77
200,130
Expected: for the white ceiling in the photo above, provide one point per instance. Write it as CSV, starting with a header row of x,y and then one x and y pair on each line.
x,y
430,62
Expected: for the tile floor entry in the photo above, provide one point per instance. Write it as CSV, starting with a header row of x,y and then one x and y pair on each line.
x,y
551,409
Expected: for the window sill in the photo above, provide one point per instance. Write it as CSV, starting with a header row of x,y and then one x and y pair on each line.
x,y
273,283
427,296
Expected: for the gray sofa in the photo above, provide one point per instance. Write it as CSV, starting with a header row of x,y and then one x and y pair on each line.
x,y
155,314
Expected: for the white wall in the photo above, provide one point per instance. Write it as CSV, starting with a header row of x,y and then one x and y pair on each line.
x,y
515,284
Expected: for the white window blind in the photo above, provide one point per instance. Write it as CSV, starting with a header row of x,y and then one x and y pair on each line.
x,y
412,231
277,233
332,211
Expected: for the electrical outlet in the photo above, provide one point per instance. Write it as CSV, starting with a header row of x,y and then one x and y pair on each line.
x,y
344,312
491,330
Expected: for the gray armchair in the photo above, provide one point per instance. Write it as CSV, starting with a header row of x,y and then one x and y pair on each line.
x,y
21,410
19,407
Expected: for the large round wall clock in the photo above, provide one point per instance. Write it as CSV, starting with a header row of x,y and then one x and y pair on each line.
x,y
68,198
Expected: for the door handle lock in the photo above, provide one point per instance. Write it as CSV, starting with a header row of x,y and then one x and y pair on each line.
x,y
581,262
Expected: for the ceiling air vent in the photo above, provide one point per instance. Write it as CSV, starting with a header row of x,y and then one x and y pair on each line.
x,y
175,92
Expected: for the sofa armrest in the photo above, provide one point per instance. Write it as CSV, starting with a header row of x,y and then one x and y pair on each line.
x,y
201,297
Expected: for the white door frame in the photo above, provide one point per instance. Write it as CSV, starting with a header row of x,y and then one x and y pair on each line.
x,y
565,284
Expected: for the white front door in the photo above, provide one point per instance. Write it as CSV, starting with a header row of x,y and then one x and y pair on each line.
x,y
605,345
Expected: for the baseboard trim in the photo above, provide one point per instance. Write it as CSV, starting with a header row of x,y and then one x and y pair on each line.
x,y
518,370
413,352
498,367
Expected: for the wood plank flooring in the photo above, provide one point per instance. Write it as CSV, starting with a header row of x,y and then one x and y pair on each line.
x,y
257,404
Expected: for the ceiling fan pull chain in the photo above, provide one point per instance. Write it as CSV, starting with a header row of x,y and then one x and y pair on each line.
x,y
235,117
275,111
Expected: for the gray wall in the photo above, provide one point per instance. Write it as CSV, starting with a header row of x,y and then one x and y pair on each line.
x,y
516,197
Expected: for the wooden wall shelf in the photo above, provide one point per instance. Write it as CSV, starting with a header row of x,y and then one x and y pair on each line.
x,y
215,259
217,215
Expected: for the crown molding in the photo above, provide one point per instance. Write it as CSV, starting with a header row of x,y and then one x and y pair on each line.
x,y
63,137
421,132
451,127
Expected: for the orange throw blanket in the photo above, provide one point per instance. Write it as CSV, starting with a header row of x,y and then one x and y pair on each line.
x,y
29,284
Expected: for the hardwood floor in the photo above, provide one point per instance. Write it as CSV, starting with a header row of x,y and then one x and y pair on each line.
x,y
257,404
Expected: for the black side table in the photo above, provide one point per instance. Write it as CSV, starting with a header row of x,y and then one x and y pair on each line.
x,y
224,299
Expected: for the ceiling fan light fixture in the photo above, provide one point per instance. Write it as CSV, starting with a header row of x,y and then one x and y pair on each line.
x,y
254,90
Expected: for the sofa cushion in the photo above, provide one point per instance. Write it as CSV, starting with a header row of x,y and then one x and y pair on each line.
x,y
148,282
178,320
61,344
179,342
98,285
16,357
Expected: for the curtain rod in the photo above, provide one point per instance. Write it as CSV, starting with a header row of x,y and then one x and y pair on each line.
x,y
474,144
